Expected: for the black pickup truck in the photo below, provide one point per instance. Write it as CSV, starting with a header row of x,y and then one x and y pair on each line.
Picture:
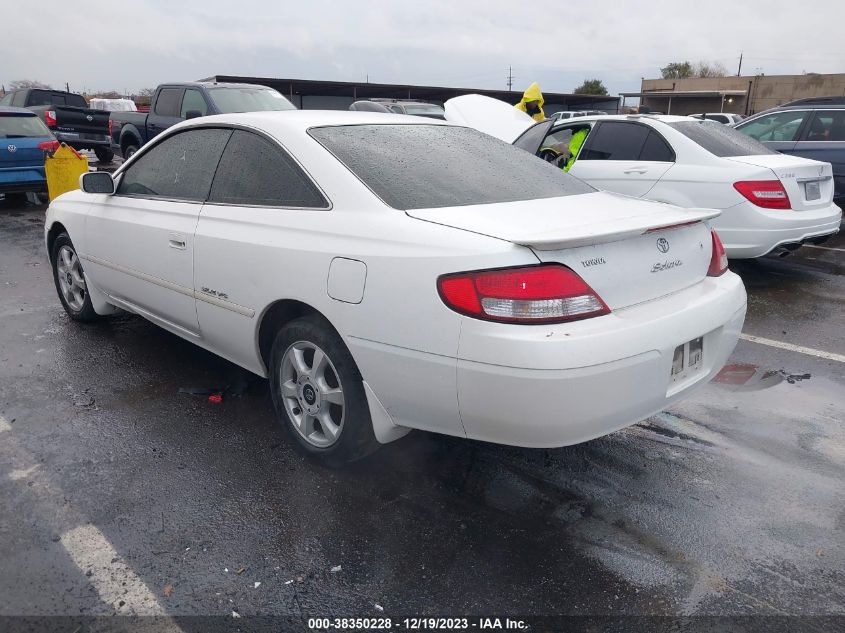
x,y
173,103
68,117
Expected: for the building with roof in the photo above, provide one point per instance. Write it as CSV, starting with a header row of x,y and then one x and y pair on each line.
x,y
739,94
310,94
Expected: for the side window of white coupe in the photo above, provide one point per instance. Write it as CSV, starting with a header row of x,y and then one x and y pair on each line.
x,y
254,171
180,167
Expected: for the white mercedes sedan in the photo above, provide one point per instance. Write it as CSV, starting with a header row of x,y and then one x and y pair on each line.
x,y
388,273
770,202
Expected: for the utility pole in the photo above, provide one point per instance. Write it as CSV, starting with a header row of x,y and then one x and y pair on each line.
x,y
510,79
739,70
67,86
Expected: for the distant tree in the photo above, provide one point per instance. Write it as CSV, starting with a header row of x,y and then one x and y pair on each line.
x,y
677,70
685,70
591,87
20,84
710,69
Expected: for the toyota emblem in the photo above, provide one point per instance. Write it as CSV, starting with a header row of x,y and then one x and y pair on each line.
x,y
662,244
12,148
89,117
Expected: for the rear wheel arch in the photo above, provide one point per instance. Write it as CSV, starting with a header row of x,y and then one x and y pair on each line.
x,y
129,138
276,316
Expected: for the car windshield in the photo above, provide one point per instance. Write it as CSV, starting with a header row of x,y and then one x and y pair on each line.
x,y
431,166
424,109
17,126
720,140
228,99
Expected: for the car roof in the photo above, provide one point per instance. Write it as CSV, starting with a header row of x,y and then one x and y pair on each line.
x,y
803,106
301,120
664,118
22,111
210,84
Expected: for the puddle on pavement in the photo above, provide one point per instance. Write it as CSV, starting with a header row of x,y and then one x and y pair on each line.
x,y
748,377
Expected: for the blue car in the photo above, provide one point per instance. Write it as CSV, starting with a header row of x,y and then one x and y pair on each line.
x,y
24,139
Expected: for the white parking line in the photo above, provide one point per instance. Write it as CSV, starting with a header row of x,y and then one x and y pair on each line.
x,y
4,424
113,579
793,348
825,248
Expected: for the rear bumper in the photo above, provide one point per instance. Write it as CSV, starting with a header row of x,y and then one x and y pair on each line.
x,y
750,231
84,141
22,179
550,386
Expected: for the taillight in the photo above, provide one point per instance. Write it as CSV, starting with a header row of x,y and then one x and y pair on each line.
x,y
110,122
718,258
548,293
49,146
50,118
768,194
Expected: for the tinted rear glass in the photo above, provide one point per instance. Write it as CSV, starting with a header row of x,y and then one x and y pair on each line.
x,y
720,139
22,127
430,166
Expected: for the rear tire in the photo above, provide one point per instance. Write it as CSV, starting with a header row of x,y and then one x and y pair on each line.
x,y
129,150
318,393
70,281
104,155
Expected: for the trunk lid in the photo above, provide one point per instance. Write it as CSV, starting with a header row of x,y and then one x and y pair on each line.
x,y
488,115
619,245
808,183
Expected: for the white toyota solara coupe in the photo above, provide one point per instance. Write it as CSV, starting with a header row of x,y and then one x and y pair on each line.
x,y
388,272
769,201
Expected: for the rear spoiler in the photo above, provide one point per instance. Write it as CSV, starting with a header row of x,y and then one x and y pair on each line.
x,y
612,231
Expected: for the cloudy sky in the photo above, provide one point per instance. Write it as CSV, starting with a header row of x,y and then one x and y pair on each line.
x,y
128,45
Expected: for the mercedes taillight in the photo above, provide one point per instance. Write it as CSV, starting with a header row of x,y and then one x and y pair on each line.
x,y
768,194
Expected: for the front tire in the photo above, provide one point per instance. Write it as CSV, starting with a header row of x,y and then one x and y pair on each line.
x,y
104,155
70,281
318,393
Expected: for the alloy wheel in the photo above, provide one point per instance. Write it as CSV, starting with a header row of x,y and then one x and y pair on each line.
x,y
312,394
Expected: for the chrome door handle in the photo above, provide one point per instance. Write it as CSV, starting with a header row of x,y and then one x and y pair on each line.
x,y
636,170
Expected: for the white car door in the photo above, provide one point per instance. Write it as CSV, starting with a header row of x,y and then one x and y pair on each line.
x,y
260,207
140,241
627,157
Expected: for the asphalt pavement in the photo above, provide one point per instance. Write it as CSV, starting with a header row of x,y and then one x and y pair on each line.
x,y
122,495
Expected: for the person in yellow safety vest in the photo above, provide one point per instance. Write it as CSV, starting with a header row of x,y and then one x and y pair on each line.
x,y
575,144
532,102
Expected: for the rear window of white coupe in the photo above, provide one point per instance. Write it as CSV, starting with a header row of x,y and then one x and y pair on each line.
x,y
431,166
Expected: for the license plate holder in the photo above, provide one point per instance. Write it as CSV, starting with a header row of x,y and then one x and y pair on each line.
x,y
812,190
688,359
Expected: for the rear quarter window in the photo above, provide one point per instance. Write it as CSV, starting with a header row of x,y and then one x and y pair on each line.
x,y
430,166
719,139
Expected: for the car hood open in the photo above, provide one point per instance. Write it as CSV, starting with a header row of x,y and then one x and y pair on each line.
x,y
488,115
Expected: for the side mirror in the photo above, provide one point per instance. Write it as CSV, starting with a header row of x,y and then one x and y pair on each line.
x,y
96,182
192,114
